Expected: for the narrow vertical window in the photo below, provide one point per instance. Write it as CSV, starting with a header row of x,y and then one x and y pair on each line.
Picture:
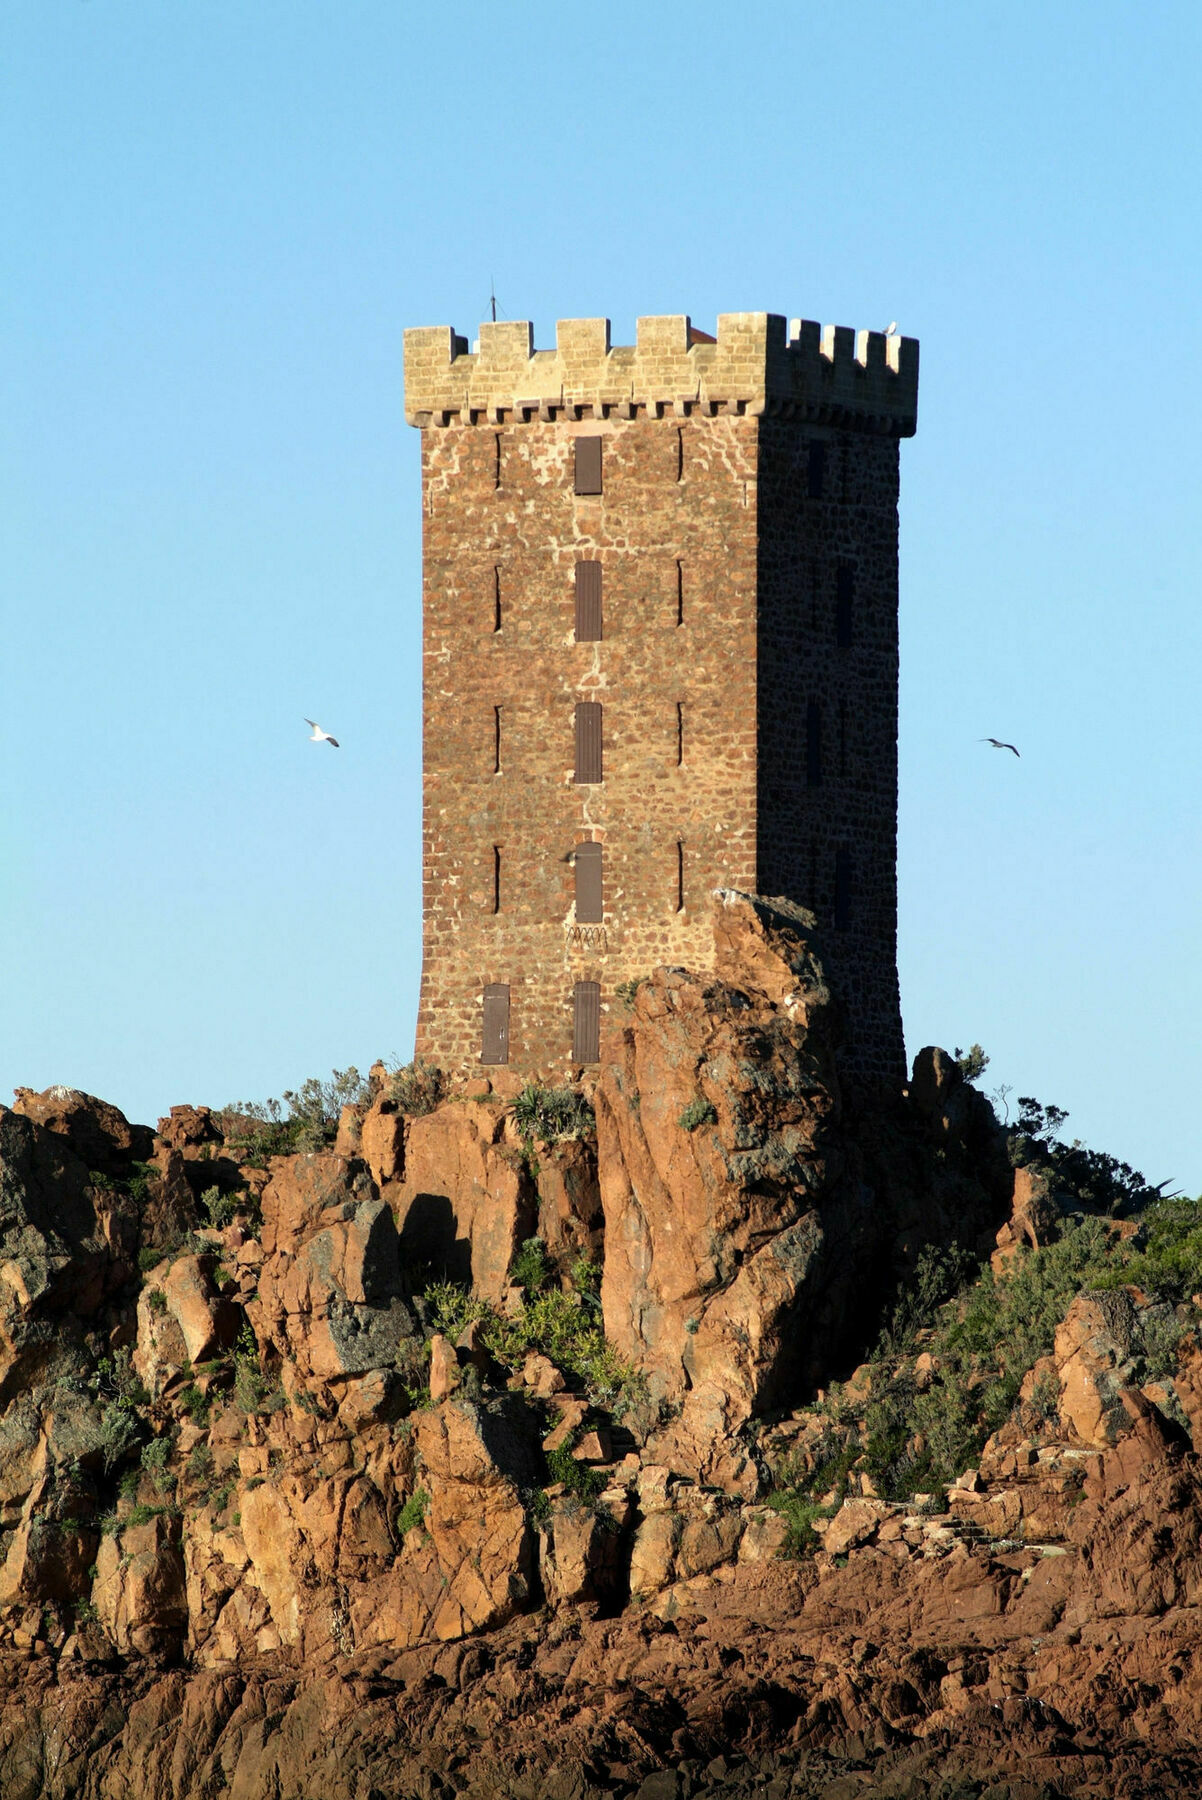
x,y
496,471
588,741
845,591
679,876
496,599
496,740
842,888
680,593
496,878
494,1047
586,1022
590,908
588,465
679,453
815,469
588,602
679,733
813,744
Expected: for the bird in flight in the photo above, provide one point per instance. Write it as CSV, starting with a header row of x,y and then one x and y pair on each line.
x,y
998,745
318,736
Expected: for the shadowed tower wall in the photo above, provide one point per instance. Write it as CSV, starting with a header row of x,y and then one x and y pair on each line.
x,y
718,620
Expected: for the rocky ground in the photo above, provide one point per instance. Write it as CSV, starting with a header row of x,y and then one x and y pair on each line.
x,y
320,1478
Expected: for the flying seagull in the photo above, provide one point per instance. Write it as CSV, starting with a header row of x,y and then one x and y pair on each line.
x,y
318,736
998,745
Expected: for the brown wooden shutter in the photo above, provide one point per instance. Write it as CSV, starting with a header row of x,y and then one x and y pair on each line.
x,y
588,602
815,469
586,1022
842,889
588,465
590,909
495,1047
588,740
813,744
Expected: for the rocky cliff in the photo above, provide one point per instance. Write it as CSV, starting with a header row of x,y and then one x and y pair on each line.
x,y
481,1453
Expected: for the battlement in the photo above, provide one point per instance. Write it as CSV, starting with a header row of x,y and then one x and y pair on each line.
x,y
759,364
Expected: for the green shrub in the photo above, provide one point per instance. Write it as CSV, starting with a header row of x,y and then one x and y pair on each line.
x,y
530,1268
254,1390
800,1512
972,1063
219,1208
553,1114
697,1112
577,1478
195,1403
561,1326
200,1464
150,1256
417,1088
1098,1182
156,1299
413,1513
305,1120
156,1463
122,1398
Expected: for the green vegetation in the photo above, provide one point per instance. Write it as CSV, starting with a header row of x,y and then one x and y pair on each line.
x,y
413,1513
156,1299
972,1063
581,1482
305,1120
195,1403
982,1334
698,1112
530,1268
1095,1181
156,1463
417,1088
221,1209
552,1114
561,1326
254,1391
122,1399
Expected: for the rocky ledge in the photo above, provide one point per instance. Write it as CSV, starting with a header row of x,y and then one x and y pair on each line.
x,y
482,1452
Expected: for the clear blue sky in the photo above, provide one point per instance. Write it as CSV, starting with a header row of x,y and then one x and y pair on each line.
x,y
218,215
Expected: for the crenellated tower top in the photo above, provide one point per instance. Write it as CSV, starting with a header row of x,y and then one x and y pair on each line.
x,y
759,363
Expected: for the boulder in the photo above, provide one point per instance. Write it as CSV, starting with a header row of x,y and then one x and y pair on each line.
x,y
466,1201
1094,1353
712,1104
99,1134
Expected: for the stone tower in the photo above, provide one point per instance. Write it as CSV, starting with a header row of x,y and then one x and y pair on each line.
x,y
660,657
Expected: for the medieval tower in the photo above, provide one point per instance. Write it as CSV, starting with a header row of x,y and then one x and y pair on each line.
x,y
660,657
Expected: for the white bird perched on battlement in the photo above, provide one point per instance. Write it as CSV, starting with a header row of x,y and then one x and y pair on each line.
x,y
318,736
891,328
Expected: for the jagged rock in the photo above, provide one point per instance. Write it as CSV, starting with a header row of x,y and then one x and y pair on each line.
x,y
1094,1361
1035,1219
743,1205
466,1201
140,1591
65,1246
99,1134
705,1223
330,1284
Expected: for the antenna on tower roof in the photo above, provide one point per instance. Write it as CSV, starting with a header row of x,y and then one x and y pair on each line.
x,y
492,298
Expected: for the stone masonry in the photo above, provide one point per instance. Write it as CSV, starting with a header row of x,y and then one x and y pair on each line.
x,y
745,668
